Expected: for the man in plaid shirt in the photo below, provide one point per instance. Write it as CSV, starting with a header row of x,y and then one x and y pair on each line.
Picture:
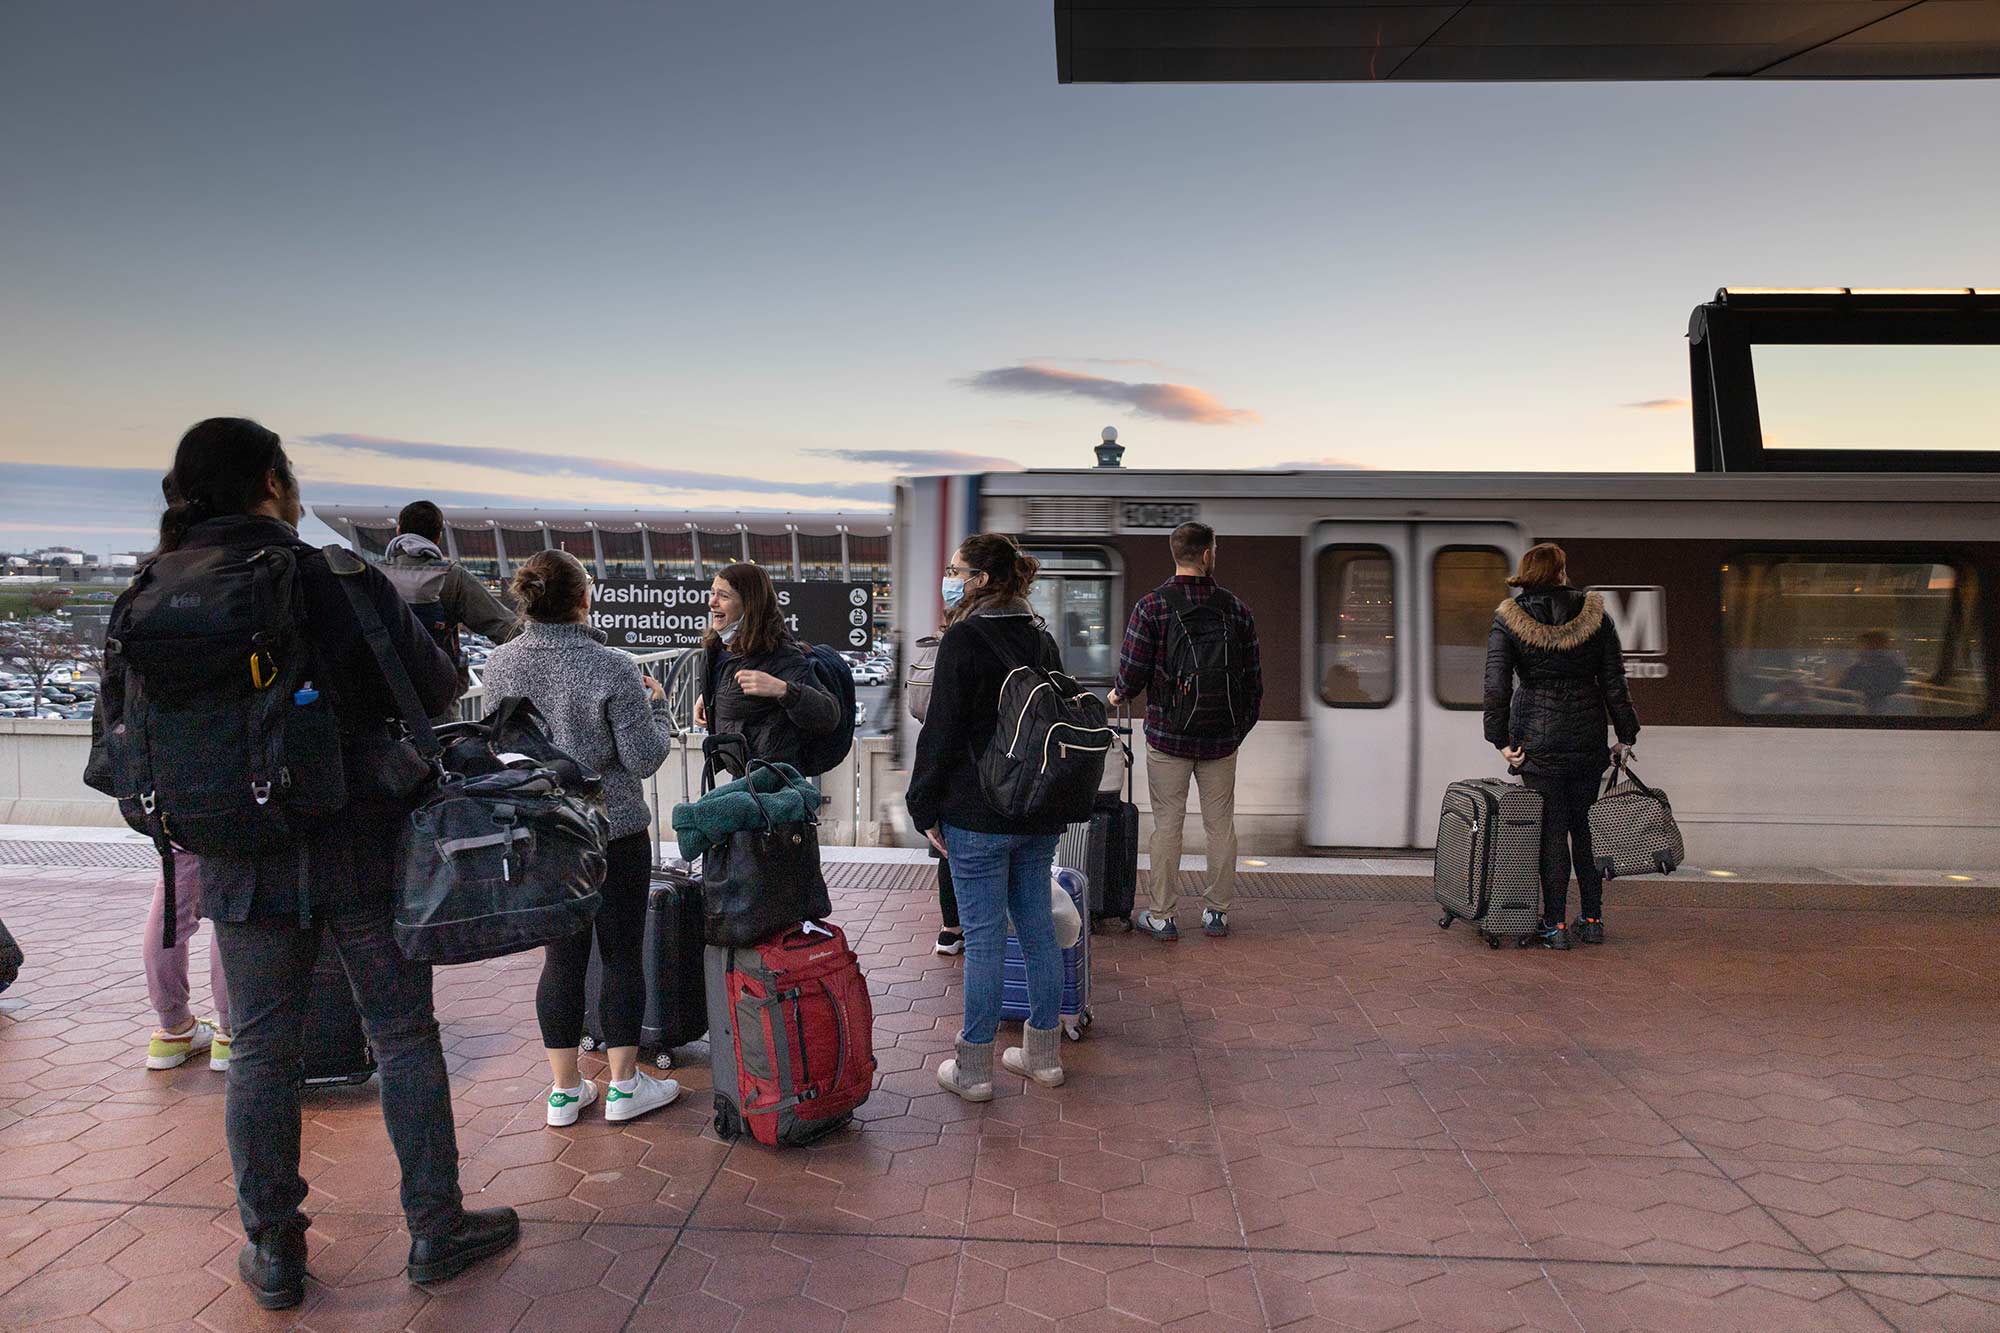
x,y
1175,759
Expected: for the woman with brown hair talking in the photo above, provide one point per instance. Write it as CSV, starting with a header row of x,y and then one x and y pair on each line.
x,y
1565,652
757,681
611,718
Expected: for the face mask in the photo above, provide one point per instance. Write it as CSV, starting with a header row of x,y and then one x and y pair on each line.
x,y
728,632
953,590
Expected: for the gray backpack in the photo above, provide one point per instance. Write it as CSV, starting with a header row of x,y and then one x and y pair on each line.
x,y
917,689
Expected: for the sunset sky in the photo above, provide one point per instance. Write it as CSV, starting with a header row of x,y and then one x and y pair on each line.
x,y
771,254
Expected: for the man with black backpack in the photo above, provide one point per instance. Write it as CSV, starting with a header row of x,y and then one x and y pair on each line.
x,y
246,718
1191,649
442,594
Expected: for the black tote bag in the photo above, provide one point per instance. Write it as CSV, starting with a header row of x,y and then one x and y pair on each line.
x,y
761,880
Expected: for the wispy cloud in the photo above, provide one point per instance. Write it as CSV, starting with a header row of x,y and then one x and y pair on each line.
x,y
1657,404
1168,402
922,460
526,463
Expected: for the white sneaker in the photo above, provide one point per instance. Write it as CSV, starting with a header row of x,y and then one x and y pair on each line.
x,y
565,1107
647,1094
171,1050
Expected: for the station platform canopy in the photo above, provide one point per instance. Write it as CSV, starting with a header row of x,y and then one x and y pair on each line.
x,y
1347,41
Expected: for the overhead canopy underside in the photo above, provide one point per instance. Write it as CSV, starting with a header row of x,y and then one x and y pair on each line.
x,y
1220,41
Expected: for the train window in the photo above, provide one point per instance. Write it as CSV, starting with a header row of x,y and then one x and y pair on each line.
x,y
1356,594
1073,595
1467,582
1817,636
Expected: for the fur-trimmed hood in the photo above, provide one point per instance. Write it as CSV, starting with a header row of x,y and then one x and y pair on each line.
x,y
1574,632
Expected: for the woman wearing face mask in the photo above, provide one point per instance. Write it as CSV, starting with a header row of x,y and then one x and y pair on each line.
x,y
998,867
757,681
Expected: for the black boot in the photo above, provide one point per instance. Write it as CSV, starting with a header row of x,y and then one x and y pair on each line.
x,y
479,1233
275,1268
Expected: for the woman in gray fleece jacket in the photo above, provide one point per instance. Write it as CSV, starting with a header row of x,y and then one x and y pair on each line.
x,y
612,718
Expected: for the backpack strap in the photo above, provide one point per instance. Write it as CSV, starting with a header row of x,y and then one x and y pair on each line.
x,y
348,568
1008,657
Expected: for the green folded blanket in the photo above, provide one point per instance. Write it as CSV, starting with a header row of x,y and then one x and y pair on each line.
x,y
771,794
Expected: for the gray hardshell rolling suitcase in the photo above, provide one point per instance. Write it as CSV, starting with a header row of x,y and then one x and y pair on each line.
x,y
1632,828
1489,855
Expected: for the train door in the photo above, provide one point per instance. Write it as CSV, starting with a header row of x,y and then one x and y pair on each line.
x,y
1396,626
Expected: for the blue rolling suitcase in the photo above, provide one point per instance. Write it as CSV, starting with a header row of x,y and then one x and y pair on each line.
x,y
1076,967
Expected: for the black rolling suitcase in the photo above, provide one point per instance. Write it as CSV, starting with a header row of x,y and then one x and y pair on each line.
x,y
336,1049
676,1005
1489,858
11,957
1106,848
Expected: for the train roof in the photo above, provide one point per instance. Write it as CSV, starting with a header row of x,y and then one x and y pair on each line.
x,y
1361,483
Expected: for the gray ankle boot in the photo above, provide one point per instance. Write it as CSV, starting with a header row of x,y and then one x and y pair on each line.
x,y
1039,1057
971,1074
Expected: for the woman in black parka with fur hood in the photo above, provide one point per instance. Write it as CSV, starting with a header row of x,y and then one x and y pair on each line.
x,y
1564,650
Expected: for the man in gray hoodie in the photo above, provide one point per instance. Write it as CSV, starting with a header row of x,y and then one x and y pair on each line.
x,y
443,594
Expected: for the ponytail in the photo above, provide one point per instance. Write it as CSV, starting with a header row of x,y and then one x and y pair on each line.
x,y
1010,572
219,470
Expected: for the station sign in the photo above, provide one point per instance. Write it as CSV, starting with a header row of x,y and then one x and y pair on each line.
x,y
1640,614
1138,514
647,615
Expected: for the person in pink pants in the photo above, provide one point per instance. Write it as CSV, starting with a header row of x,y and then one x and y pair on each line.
x,y
181,1036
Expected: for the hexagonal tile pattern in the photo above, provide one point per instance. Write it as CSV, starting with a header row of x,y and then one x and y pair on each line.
x,y
1338,1118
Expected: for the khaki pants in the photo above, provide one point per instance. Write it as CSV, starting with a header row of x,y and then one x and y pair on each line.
x,y
1167,778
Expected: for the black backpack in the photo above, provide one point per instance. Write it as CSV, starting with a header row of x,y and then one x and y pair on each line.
x,y
1047,754
1202,668
822,754
210,732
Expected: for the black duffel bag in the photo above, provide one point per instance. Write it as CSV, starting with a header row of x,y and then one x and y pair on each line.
x,y
763,878
505,850
499,863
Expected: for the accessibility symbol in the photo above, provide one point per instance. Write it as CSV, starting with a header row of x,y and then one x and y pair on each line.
x,y
858,596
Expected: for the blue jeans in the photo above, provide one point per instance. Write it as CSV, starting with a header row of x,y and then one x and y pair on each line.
x,y
269,964
996,875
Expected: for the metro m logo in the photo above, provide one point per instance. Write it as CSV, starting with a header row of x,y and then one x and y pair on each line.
x,y
1640,613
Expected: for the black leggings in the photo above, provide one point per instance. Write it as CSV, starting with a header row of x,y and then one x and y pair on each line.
x,y
620,931
1566,802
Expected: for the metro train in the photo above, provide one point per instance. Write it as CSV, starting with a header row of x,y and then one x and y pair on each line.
x,y
1811,653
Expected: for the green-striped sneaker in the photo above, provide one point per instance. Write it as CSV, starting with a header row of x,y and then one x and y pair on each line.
x,y
646,1094
218,1052
171,1050
565,1104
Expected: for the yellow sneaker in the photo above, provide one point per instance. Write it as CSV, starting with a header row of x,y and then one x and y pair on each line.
x,y
218,1052
170,1050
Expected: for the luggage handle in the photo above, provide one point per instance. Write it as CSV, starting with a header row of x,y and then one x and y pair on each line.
x,y
1621,767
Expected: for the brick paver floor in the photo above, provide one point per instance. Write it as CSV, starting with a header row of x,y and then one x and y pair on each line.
x,y
1339,1118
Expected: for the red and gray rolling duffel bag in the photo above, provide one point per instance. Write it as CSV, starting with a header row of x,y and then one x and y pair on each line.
x,y
791,1035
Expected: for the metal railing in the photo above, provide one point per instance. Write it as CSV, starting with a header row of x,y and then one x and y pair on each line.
x,y
854,790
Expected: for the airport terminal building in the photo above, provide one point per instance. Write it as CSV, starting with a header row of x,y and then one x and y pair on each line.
x,y
652,546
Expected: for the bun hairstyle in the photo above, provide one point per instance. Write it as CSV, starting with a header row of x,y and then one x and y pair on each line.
x,y
1009,570
219,469
1542,564
550,586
